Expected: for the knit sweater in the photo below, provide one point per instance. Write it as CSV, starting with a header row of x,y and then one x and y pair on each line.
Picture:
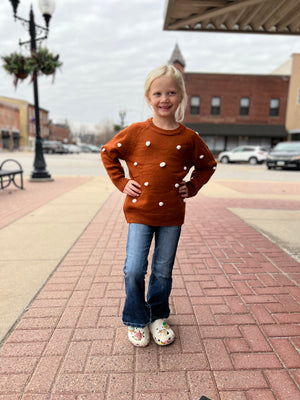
x,y
158,160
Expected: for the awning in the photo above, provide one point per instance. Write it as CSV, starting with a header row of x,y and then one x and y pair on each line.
x,y
247,16
239,130
4,134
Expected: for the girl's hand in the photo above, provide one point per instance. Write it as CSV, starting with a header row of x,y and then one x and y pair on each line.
x,y
183,190
132,188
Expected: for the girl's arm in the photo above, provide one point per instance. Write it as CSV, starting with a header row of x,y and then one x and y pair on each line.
x,y
204,167
111,154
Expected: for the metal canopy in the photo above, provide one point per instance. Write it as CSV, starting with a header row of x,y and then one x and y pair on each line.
x,y
243,16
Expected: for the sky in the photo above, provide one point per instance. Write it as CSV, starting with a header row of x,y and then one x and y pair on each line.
x,y
108,48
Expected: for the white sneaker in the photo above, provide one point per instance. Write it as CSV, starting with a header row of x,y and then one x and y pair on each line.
x,y
161,332
139,337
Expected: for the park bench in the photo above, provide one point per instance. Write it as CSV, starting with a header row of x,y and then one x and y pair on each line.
x,y
8,174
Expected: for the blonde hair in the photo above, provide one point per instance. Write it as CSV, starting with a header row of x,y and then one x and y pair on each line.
x,y
176,75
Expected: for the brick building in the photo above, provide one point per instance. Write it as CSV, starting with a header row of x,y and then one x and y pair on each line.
x,y
44,125
26,130
60,132
17,125
9,126
231,109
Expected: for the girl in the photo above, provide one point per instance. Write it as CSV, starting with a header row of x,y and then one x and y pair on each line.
x,y
159,153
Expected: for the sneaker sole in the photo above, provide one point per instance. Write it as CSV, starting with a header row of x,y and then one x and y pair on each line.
x,y
159,343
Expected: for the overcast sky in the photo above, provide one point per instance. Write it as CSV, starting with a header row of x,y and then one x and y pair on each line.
x,y
108,48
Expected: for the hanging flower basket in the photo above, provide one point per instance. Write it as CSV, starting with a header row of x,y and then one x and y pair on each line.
x,y
45,62
18,65
41,61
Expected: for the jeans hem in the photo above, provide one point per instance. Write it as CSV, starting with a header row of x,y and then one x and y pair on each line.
x,y
135,325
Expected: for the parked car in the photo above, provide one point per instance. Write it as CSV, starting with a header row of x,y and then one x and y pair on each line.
x,y
284,155
94,148
85,148
89,148
66,149
73,148
250,154
53,146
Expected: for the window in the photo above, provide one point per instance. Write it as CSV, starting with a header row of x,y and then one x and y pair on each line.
x,y
274,108
195,105
215,105
244,105
298,99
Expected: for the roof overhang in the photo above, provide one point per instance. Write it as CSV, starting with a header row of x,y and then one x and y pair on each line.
x,y
238,129
240,16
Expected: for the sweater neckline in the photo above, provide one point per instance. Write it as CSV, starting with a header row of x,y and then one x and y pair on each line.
x,y
167,132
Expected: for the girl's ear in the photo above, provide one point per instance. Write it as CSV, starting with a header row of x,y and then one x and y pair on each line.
x,y
148,100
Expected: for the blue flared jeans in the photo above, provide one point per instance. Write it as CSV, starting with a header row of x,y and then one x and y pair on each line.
x,y
138,311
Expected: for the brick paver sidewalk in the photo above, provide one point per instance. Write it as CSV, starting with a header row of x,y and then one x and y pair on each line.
x,y
235,311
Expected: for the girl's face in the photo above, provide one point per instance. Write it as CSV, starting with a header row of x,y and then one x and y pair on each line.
x,y
164,97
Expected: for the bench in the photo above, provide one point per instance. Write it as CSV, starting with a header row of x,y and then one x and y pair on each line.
x,y
8,175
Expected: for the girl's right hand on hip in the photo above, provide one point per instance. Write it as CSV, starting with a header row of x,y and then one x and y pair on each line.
x,y
132,188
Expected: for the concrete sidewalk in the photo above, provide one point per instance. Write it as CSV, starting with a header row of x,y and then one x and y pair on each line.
x,y
235,298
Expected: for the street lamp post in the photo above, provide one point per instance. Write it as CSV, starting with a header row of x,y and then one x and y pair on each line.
x,y
39,172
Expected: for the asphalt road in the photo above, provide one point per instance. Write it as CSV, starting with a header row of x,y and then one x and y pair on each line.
x,y
89,164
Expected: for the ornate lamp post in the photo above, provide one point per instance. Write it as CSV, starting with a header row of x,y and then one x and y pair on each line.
x,y
40,172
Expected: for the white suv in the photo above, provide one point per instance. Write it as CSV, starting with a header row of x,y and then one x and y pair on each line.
x,y
250,154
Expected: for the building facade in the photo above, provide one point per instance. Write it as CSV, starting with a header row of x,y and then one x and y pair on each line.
x,y
44,125
293,108
26,131
229,110
9,126
60,132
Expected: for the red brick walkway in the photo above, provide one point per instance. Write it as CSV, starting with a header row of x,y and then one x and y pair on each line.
x,y
235,311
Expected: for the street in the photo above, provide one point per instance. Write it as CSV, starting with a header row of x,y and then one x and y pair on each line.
x,y
89,164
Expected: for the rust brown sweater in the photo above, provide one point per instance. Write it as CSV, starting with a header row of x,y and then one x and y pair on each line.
x,y
158,160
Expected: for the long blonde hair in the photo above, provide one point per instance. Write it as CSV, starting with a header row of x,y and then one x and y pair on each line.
x,y
176,75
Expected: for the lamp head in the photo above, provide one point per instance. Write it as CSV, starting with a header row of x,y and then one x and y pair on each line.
x,y
15,4
47,8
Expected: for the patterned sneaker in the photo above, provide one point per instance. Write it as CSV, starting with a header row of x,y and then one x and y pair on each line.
x,y
161,332
139,337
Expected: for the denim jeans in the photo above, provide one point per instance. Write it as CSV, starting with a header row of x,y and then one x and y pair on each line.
x,y
137,312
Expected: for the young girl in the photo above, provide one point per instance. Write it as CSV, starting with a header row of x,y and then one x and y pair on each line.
x,y
159,153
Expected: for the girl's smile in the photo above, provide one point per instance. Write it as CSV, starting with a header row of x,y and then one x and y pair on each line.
x,y
164,99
